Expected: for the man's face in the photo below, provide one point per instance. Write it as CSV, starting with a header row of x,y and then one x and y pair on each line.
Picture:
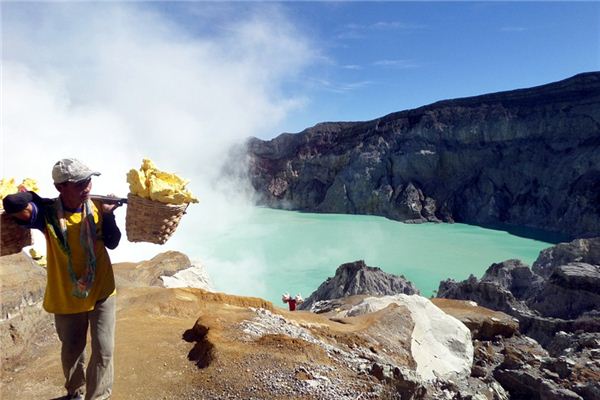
x,y
74,194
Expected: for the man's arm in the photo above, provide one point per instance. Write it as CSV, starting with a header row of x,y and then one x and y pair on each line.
x,y
22,208
110,231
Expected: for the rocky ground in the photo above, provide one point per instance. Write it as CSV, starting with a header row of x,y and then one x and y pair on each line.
x,y
189,343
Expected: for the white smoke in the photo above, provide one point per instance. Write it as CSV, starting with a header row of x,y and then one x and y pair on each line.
x,y
111,83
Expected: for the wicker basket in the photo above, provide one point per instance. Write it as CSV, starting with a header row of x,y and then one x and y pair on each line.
x,y
151,221
13,237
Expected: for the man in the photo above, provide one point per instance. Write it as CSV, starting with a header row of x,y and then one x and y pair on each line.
x,y
80,289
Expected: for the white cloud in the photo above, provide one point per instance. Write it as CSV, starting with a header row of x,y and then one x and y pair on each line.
x,y
396,25
513,29
403,64
353,31
111,83
340,87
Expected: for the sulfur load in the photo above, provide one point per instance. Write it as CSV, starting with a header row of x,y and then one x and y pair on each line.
x,y
151,183
9,186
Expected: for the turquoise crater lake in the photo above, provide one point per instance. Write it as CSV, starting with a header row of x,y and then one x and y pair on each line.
x,y
271,252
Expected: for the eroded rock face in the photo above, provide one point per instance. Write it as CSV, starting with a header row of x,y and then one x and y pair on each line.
x,y
357,278
496,158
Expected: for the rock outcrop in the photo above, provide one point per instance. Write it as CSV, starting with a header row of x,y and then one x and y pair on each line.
x,y
560,293
492,159
357,278
580,250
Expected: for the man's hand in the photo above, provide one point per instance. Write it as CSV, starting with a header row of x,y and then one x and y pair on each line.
x,y
110,208
24,214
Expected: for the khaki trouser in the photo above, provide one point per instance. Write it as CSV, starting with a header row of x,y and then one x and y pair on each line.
x,y
72,332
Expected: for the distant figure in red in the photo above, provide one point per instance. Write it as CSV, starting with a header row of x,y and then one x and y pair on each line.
x,y
292,301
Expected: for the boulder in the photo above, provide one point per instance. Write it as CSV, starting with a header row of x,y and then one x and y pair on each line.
x,y
440,344
357,278
529,385
578,276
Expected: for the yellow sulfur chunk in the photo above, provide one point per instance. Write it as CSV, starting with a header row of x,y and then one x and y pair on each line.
x,y
148,165
29,184
7,186
137,183
166,191
37,257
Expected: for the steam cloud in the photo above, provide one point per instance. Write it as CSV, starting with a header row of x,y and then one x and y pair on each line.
x,y
112,83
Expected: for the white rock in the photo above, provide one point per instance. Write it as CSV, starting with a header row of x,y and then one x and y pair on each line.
x,y
440,344
193,277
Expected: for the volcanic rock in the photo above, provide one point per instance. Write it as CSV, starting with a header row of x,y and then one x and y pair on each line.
x,y
571,291
357,278
514,276
580,250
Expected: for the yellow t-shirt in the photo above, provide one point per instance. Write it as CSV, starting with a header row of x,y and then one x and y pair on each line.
x,y
59,298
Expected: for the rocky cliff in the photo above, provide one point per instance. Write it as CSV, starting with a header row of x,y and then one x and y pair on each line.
x,y
528,157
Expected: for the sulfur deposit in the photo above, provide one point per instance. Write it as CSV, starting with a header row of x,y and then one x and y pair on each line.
x,y
9,186
151,183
